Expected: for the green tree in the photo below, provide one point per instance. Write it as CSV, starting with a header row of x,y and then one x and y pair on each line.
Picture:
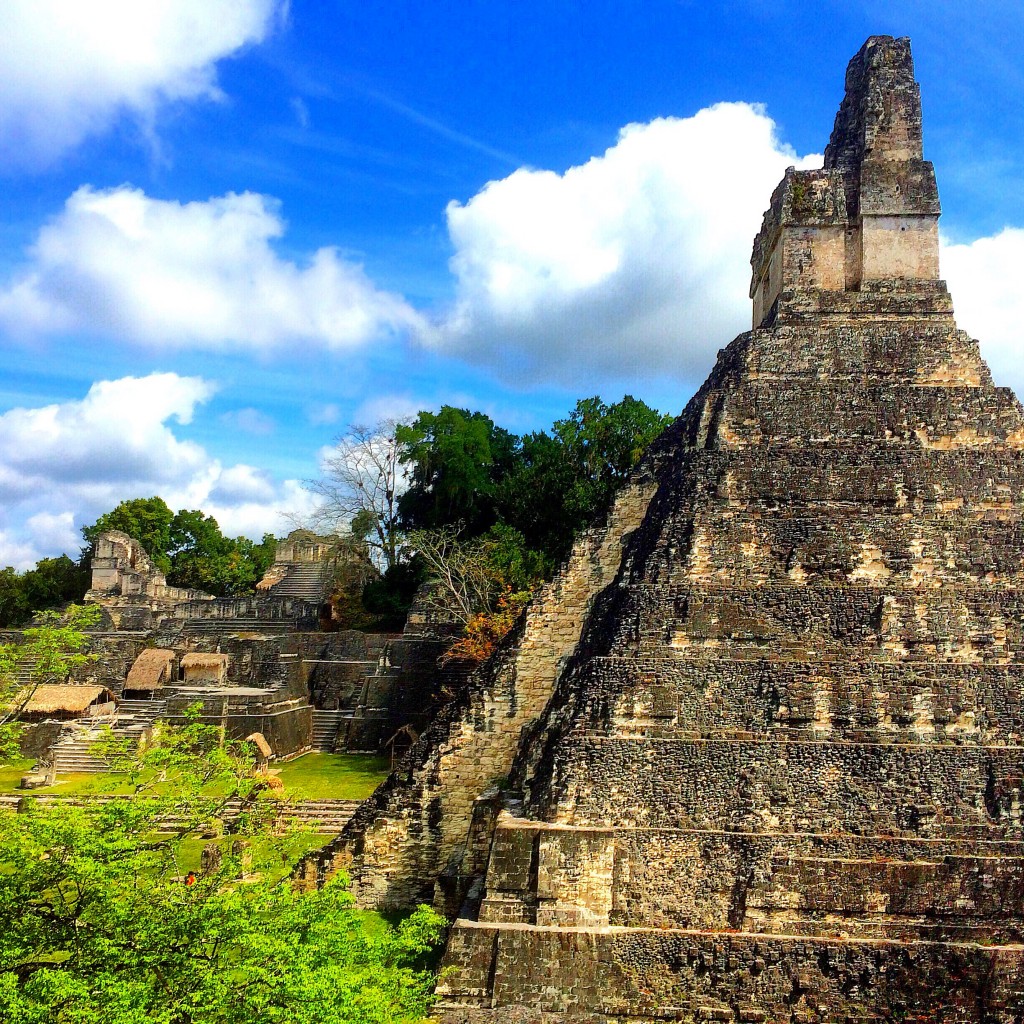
x,y
53,582
55,645
564,481
455,459
14,605
100,922
360,489
188,546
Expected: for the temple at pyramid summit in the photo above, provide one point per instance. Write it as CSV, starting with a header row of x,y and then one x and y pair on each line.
x,y
756,753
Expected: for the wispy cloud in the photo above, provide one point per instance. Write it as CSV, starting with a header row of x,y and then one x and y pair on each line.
x,y
435,126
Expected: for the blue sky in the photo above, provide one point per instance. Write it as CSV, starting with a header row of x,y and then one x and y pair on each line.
x,y
227,229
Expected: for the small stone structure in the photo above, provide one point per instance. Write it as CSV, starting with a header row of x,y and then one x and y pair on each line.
x,y
304,568
127,584
756,753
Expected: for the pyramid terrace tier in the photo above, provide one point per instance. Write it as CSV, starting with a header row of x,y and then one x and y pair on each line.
x,y
837,546
922,351
641,976
920,789
829,885
868,476
703,697
789,622
825,413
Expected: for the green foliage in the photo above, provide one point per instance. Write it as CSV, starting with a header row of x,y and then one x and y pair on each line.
x,y
514,566
203,558
147,520
455,458
100,923
388,597
53,647
53,582
547,486
564,481
188,546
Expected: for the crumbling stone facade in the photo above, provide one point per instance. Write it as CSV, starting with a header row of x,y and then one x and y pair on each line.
x,y
126,584
760,746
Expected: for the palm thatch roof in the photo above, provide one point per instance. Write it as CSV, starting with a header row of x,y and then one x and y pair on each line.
x,y
52,698
151,670
203,659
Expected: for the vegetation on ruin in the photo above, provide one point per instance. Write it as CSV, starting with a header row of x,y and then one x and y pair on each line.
x,y
483,514
188,546
185,545
101,920
49,650
389,493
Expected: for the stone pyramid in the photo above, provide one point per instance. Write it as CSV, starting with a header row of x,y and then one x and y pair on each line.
x,y
761,741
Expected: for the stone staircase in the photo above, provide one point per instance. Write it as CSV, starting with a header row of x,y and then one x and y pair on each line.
x,y
24,671
322,816
73,753
240,624
304,580
325,728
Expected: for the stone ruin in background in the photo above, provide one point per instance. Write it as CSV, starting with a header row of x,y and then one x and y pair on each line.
x,y
755,755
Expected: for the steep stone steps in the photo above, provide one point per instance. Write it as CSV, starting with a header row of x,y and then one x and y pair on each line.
x,y
304,580
74,753
325,728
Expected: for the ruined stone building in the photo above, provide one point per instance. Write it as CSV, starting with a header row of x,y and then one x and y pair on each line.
x,y
756,754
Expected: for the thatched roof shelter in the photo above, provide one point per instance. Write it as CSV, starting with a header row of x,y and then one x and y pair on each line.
x,y
63,699
152,668
203,659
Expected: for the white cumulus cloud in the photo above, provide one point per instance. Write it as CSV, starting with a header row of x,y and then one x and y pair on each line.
x,y
62,465
634,263
70,68
118,263
984,278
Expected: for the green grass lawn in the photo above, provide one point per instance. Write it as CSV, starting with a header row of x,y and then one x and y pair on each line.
x,y
333,776
310,777
11,773
283,854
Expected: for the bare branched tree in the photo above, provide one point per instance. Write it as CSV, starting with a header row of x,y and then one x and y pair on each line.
x,y
362,480
463,581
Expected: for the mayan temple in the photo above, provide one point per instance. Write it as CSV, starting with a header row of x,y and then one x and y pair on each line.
x,y
755,755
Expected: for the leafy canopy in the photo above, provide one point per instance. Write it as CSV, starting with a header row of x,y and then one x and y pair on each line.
x,y
188,546
100,922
